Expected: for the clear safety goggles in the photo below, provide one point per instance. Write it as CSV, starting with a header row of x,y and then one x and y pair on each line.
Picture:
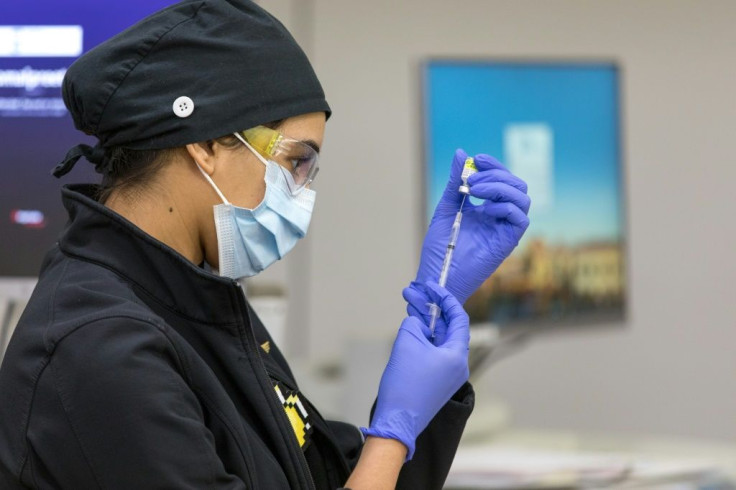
x,y
299,158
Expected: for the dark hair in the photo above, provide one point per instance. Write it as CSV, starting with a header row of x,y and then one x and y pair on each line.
x,y
129,170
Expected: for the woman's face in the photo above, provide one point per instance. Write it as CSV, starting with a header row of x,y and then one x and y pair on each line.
x,y
239,174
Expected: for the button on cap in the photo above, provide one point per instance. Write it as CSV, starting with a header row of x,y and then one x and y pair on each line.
x,y
183,106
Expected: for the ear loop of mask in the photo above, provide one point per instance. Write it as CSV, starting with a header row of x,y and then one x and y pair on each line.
x,y
212,183
258,155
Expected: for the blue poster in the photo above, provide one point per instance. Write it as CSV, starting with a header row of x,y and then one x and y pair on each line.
x,y
557,126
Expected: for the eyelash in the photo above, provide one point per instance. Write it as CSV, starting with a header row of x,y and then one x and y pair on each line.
x,y
298,159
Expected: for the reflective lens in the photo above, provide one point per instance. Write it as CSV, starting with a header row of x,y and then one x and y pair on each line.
x,y
300,159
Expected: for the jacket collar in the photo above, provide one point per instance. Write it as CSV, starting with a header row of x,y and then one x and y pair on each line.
x,y
97,234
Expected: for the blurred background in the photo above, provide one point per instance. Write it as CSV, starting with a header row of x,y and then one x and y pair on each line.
x,y
655,380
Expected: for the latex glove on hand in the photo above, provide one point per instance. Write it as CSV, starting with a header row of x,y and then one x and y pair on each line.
x,y
489,232
421,376
417,305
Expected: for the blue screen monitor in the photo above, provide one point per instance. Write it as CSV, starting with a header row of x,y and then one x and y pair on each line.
x,y
39,39
556,125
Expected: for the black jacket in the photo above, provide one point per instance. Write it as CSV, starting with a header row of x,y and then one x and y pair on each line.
x,y
131,368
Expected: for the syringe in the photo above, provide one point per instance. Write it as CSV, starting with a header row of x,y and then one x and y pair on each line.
x,y
468,169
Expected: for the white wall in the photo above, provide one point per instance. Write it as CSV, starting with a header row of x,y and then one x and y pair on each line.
x,y
673,369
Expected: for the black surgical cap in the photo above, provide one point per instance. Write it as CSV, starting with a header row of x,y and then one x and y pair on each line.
x,y
194,71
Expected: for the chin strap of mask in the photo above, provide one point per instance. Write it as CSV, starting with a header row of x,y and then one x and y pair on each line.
x,y
96,155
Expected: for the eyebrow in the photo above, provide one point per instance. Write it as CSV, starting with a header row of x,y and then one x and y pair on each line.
x,y
311,143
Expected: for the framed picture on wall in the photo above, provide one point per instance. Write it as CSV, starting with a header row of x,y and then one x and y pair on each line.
x,y
557,126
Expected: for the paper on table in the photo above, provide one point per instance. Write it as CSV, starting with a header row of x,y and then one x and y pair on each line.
x,y
495,468
509,468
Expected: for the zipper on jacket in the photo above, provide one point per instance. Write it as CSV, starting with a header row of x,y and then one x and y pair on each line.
x,y
267,387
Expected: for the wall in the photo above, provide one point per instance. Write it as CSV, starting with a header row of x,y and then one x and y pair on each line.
x,y
672,369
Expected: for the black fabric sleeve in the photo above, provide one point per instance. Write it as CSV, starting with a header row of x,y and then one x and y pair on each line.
x,y
437,444
124,415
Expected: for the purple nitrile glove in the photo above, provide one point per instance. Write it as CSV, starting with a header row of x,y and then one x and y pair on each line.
x,y
489,231
417,305
421,376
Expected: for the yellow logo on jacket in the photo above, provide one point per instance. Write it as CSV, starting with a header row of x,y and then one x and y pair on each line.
x,y
296,414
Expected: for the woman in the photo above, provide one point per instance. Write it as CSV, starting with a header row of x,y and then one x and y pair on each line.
x,y
138,362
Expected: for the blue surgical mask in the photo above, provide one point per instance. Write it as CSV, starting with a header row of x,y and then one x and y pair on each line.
x,y
249,240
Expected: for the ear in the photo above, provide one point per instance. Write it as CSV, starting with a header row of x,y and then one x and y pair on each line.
x,y
202,155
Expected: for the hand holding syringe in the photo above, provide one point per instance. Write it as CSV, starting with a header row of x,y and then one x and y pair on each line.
x,y
468,169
